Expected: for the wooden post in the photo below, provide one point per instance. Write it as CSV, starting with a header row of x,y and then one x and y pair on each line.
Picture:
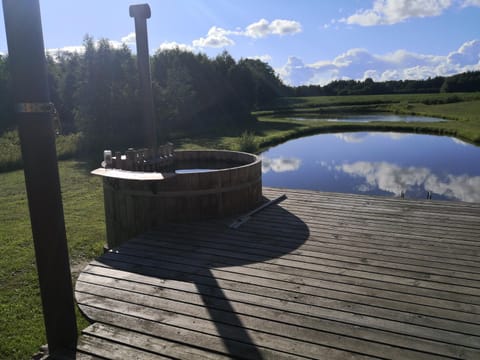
x,y
35,125
141,13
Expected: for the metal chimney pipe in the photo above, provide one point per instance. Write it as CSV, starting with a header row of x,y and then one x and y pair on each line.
x,y
141,13
35,125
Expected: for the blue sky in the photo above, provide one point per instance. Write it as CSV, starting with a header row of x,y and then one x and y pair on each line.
x,y
305,41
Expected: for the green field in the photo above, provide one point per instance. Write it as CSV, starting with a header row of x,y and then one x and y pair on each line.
x,y
369,100
21,322
461,109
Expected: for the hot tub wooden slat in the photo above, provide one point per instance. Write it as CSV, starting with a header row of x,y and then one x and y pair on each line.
x,y
136,202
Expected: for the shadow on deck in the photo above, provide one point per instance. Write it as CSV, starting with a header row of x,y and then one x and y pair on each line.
x,y
327,276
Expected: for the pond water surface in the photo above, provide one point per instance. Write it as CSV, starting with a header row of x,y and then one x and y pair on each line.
x,y
391,164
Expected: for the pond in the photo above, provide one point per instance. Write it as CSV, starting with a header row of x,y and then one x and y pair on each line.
x,y
374,118
390,164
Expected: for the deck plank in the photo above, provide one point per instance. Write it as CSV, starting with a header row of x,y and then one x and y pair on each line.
x,y
311,287
321,275
155,345
206,246
330,320
287,296
108,349
320,272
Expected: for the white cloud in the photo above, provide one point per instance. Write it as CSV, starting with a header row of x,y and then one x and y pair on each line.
x,y
66,49
174,45
388,12
216,38
263,28
467,3
468,54
363,18
359,64
264,58
280,164
114,44
129,39
285,27
395,179
80,49
258,29
294,72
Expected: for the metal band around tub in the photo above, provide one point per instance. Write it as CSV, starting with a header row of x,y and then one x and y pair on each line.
x,y
34,107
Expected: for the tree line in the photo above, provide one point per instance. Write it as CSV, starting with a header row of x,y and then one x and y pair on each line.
x,y
96,92
465,82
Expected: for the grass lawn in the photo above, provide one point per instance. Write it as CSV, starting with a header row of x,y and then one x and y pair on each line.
x,y
21,319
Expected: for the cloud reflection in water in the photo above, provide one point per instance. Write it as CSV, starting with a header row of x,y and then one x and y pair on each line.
x,y
395,179
280,164
362,136
459,142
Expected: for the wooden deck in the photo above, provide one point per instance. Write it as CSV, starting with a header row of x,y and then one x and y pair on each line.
x,y
321,275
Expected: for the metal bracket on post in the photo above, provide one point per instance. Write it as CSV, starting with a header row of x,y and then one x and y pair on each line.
x,y
31,107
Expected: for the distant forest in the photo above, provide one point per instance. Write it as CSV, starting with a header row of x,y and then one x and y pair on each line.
x,y
465,82
96,92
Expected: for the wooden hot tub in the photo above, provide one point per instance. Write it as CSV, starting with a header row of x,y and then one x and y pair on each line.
x,y
204,184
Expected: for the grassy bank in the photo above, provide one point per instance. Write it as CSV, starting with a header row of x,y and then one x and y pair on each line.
x,y
461,109
21,321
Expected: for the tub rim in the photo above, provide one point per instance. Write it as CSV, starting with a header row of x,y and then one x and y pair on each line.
x,y
149,176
